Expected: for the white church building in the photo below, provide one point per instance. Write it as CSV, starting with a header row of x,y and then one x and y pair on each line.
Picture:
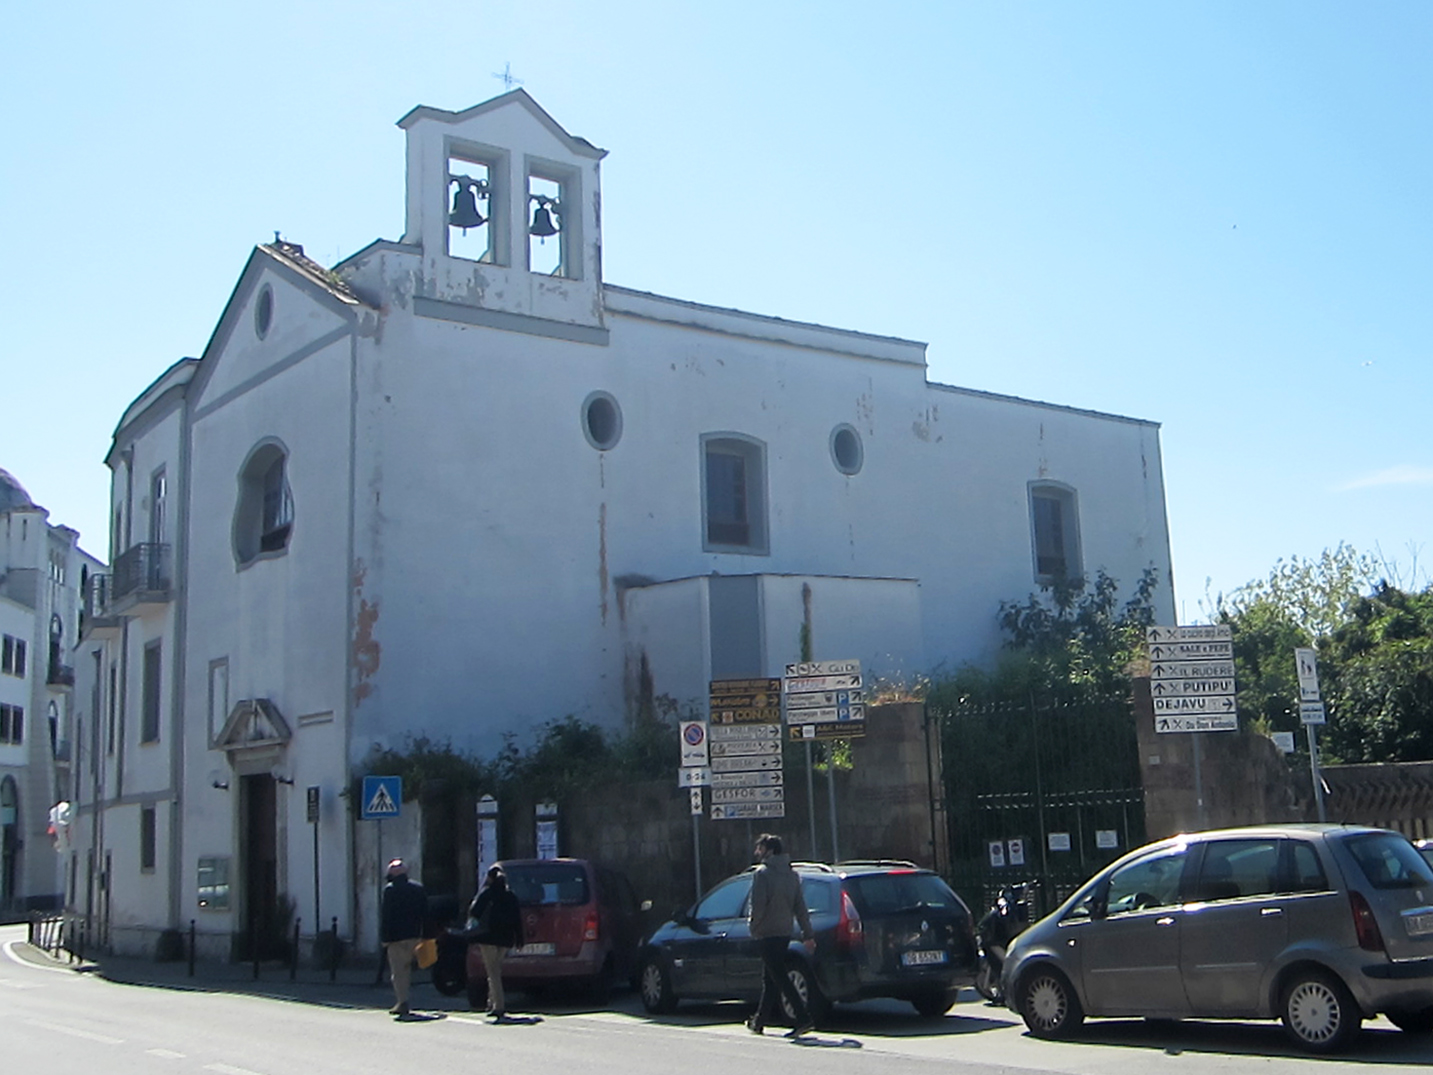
x,y
459,485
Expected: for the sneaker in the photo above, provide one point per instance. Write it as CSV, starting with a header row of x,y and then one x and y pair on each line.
x,y
801,1029
754,1025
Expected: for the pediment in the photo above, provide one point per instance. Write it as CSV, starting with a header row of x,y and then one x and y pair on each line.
x,y
254,723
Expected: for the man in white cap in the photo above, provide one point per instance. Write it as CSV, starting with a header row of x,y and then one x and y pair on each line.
x,y
401,917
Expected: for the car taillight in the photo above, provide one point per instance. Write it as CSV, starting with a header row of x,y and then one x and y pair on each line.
x,y
589,929
848,927
1364,924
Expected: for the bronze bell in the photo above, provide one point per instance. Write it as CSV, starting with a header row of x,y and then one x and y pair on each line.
x,y
542,224
465,213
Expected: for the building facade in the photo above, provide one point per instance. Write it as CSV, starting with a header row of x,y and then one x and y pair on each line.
x,y
458,486
43,575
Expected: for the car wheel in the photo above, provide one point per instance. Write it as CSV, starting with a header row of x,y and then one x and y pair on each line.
x,y
478,993
817,1006
1318,1012
1048,1004
449,977
655,985
934,1004
1417,1021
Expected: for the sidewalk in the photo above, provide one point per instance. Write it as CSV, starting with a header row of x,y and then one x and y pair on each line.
x,y
351,986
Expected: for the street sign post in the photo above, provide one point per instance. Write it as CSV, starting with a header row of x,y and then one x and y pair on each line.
x,y
743,751
1191,683
1311,714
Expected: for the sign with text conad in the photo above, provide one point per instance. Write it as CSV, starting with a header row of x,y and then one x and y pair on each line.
x,y
746,774
1191,678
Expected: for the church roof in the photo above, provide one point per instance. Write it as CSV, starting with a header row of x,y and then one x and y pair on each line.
x,y
12,494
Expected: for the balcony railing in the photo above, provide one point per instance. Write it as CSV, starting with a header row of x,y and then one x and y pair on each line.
x,y
60,675
99,617
141,575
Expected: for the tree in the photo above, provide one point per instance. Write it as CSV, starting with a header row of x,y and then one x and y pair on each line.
x,y
1315,595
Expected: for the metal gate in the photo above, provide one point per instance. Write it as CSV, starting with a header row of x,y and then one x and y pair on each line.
x,y
1038,791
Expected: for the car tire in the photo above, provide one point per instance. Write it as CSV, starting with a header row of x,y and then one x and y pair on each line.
x,y
478,993
817,1006
1318,1012
449,978
1048,1003
934,1004
1415,1021
654,983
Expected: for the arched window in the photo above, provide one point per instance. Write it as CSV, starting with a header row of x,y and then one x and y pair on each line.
x,y
734,494
264,516
1054,531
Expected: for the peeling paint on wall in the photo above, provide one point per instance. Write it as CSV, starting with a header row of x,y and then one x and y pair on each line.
x,y
602,557
367,653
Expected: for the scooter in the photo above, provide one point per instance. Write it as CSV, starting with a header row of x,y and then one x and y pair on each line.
x,y
993,933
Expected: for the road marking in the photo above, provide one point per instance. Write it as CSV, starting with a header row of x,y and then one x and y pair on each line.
x,y
227,1069
9,949
75,1032
167,1054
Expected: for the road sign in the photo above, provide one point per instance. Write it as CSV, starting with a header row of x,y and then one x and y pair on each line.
x,y
1312,713
854,729
747,795
770,715
1016,852
766,778
382,798
694,742
1209,632
1211,723
822,683
696,801
694,776
745,763
1190,651
746,811
1208,703
313,794
744,731
1176,688
821,699
1306,664
826,713
729,747
1192,670
745,686
823,668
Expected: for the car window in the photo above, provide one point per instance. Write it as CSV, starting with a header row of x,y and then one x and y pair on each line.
x,y
1152,881
548,883
820,895
1235,868
899,890
1305,871
726,900
1388,860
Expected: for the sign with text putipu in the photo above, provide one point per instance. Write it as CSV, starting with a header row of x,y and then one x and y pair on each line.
x,y
745,749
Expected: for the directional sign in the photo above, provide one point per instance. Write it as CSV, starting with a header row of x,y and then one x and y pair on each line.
x,y
1198,633
1209,703
1192,670
822,699
767,778
1174,688
822,683
826,713
1307,666
694,742
1229,723
1190,651
770,715
696,794
1312,713
745,811
694,776
382,798
746,795
745,686
745,763
727,747
853,729
823,668
745,731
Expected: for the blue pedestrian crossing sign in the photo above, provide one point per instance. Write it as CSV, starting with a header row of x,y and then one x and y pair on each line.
x,y
382,798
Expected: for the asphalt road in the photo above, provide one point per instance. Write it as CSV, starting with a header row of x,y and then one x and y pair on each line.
x,y
54,1019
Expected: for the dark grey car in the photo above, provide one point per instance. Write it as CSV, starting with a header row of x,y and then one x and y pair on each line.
x,y
1320,926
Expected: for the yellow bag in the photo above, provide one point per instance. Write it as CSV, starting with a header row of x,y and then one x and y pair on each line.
x,y
426,952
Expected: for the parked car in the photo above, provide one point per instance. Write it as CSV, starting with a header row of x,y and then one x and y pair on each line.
x,y
1320,926
883,929
581,925
1425,848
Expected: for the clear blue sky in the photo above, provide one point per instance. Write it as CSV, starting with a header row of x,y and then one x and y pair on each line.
x,y
1213,215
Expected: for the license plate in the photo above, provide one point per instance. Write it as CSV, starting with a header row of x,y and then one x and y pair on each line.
x,y
923,957
1418,924
540,948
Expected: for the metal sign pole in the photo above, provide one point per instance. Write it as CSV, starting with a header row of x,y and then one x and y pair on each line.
x,y
697,852
810,801
1314,772
831,795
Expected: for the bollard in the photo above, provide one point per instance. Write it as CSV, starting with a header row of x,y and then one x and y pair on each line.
x,y
294,951
191,947
254,939
333,952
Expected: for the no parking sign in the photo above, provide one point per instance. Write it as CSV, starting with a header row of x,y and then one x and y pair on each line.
x,y
694,742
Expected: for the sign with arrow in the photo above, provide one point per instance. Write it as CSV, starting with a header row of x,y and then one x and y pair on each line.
x,y
1192,678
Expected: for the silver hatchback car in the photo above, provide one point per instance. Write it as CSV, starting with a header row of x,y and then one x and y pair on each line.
x,y
1320,926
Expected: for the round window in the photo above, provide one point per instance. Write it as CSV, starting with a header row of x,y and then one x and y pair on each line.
x,y
846,450
601,421
264,311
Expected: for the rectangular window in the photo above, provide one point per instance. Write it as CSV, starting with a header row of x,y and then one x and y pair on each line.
x,y
149,721
12,724
218,696
146,838
734,494
214,884
12,657
113,705
1054,532
158,507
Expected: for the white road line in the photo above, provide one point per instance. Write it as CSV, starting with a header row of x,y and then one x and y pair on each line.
x,y
9,949
75,1032
228,1069
167,1054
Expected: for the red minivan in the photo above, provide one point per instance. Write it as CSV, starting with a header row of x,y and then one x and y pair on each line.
x,y
581,925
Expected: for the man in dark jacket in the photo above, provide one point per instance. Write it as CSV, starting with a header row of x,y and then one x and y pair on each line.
x,y
402,915
496,918
776,898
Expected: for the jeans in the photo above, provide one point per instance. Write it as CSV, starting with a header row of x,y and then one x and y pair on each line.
x,y
775,982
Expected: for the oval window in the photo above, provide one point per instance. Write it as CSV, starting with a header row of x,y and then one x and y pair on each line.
x,y
846,450
601,421
264,311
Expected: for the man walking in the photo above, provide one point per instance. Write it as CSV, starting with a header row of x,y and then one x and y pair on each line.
x,y
776,898
402,914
